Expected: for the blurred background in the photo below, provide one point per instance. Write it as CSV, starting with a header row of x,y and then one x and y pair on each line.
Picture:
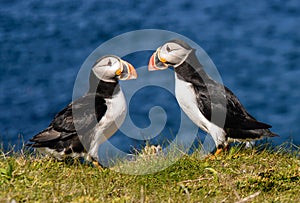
x,y
254,45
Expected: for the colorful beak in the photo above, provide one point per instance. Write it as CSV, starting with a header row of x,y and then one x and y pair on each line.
x,y
128,72
155,63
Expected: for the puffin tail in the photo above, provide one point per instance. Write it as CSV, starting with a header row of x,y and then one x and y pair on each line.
x,y
250,134
269,133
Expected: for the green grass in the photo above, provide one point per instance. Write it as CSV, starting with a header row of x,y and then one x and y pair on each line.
x,y
239,175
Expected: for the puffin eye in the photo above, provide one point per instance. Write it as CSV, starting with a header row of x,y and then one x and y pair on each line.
x,y
109,62
168,48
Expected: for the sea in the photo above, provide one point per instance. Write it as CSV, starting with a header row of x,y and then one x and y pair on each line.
x,y
254,46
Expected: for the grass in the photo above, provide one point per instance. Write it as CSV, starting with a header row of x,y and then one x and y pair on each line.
x,y
240,175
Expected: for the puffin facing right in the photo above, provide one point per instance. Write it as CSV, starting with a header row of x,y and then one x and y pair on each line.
x,y
200,97
79,129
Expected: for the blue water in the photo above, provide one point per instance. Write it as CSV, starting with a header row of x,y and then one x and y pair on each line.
x,y
254,45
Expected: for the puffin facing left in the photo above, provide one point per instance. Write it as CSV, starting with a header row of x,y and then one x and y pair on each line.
x,y
79,129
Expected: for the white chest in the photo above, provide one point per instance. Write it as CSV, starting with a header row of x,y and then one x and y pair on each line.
x,y
186,98
110,122
116,109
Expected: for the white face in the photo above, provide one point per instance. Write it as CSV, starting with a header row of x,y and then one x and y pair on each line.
x,y
111,68
173,54
107,67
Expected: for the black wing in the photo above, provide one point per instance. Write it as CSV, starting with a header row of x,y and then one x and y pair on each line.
x,y
215,100
214,96
242,134
79,116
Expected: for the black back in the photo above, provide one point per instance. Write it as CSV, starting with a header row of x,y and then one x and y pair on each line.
x,y
214,97
79,117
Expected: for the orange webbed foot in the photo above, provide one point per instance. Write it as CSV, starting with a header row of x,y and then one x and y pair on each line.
x,y
218,152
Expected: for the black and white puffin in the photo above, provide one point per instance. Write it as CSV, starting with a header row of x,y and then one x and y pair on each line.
x,y
199,95
79,129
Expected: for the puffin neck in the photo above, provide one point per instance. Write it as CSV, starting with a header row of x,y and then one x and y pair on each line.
x,y
191,68
102,88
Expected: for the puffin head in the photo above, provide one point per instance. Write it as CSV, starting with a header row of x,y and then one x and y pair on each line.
x,y
111,68
172,53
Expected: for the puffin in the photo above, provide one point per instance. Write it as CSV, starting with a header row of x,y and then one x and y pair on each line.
x,y
204,100
79,129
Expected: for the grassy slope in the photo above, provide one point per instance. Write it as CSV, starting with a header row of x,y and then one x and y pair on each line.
x,y
260,176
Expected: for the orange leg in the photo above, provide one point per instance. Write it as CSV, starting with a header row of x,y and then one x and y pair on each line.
x,y
226,149
97,165
218,151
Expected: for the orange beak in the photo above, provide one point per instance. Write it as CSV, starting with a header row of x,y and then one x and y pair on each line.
x,y
155,63
129,73
132,72
151,65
